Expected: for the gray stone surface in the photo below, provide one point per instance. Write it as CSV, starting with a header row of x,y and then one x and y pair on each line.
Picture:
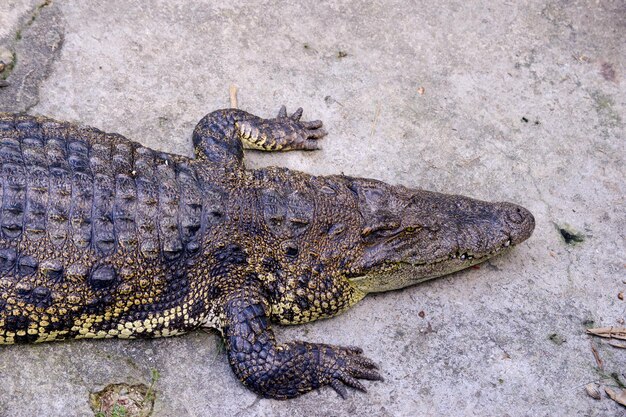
x,y
521,101
28,50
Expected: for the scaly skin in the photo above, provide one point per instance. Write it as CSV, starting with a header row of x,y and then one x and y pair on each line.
x,y
101,237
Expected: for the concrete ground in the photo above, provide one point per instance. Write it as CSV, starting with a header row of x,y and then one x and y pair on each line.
x,y
520,101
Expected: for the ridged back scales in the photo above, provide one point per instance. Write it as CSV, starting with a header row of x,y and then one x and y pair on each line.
x,y
83,207
81,187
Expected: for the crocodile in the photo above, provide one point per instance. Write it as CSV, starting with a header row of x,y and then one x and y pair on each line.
x,y
101,237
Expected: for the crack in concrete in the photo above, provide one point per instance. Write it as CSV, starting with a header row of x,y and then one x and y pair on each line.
x,y
33,16
36,44
550,214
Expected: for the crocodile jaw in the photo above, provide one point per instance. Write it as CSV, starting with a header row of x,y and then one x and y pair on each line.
x,y
429,235
394,277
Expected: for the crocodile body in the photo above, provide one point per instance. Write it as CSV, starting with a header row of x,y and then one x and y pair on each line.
x,y
101,237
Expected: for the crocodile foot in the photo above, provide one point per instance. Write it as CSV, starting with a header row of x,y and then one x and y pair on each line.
x,y
292,369
283,133
286,370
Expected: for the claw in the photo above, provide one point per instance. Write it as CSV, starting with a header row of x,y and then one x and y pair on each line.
x,y
354,349
297,114
366,374
282,113
339,388
317,133
352,382
310,145
313,124
365,362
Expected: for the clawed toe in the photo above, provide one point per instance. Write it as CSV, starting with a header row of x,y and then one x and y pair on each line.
x,y
368,374
282,113
297,114
351,381
354,349
317,134
339,388
354,366
310,145
365,362
313,124
363,367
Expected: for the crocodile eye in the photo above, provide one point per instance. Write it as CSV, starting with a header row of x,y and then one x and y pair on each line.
x,y
381,229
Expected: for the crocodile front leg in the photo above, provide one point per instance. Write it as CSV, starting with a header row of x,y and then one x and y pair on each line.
x,y
222,135
284,133
282,371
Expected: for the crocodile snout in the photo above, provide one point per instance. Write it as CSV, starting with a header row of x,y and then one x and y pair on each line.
x,y
520,221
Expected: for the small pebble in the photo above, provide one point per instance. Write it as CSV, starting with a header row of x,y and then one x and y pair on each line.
x,y
6,56
593,390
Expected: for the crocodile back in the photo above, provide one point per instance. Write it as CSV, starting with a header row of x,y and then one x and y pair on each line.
x,y
86,216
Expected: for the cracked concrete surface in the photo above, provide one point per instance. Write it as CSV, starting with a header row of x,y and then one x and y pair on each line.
x,y
33,44
519,101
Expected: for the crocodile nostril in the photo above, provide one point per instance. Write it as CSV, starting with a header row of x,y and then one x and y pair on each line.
x,y
516,215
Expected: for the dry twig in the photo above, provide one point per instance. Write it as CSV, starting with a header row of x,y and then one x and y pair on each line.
x,y
609,332
619,396
596,355
232,90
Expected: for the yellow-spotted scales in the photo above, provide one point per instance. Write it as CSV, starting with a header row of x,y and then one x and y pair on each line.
x,y
102,237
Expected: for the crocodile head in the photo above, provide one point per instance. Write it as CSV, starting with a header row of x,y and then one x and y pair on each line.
x,y
409,236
